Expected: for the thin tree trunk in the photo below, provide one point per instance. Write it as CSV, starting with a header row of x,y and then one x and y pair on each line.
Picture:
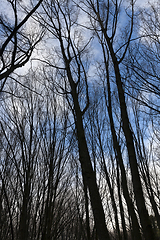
x,y
24,219
118,155
125,236
87,211
140,201
110,187
113,202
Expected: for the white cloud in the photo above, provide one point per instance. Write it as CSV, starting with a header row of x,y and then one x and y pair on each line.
x,y
144,3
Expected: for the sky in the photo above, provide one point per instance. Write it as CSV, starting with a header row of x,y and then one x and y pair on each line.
x,y
7,10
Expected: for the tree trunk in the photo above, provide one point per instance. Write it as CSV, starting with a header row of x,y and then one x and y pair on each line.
x,y
140,201
125,236
86,165
130,206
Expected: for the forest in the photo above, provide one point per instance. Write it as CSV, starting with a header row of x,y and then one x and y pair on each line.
x,y
79,120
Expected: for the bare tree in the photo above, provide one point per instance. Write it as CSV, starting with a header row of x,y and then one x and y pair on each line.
x,y
105,24
16,44
60,22
73,153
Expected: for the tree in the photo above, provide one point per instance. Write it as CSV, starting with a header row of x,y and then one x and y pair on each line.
x,y
75,161
16,44
35,182
60,22
106,23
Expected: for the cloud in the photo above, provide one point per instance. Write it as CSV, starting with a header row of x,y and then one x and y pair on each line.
x,y
144,3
